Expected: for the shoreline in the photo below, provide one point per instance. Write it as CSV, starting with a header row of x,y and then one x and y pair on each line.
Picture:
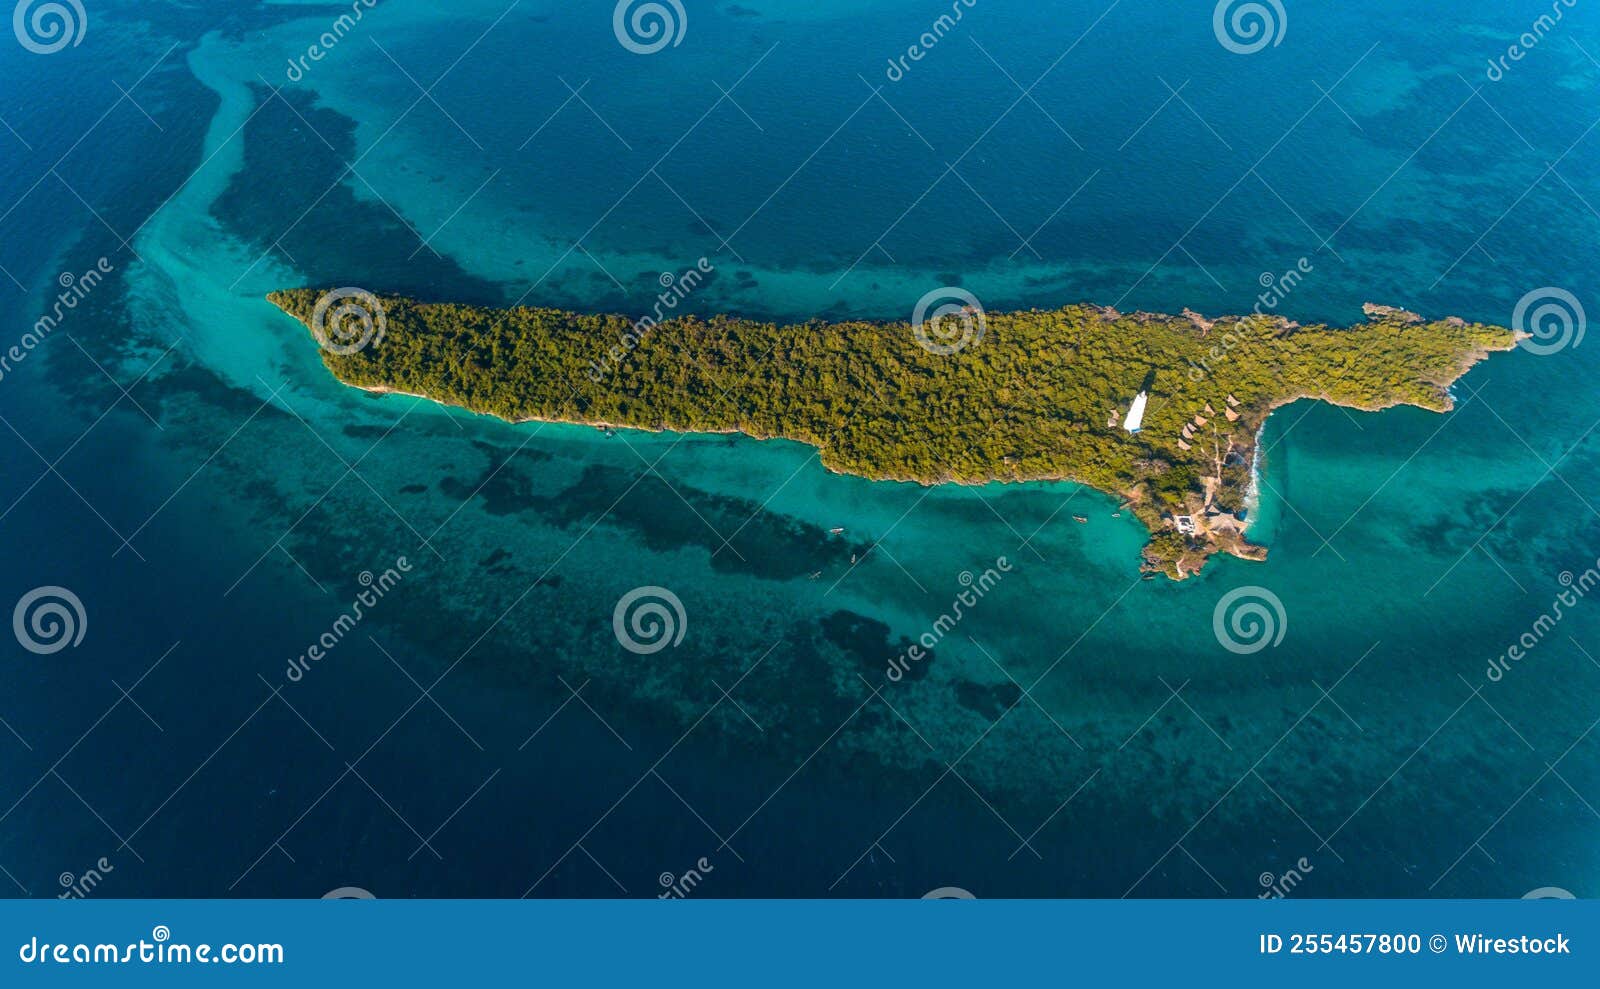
x,y
1031,409
1231,539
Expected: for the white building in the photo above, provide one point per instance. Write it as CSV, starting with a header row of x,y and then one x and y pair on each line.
x,y
1135,419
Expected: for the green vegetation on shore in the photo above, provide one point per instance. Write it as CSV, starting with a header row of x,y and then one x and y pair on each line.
x,y
1039,395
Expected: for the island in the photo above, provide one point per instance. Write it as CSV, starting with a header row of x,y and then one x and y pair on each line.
x,y
1161,412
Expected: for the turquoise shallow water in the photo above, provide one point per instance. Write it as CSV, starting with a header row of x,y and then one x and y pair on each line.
x,y
1408,549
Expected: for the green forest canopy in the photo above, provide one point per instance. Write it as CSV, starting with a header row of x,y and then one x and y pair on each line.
x,y
1039,395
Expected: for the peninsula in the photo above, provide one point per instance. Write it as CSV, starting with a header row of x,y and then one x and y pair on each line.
x,y
1160,411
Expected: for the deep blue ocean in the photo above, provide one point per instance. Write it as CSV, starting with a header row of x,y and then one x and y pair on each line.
x,y
175,458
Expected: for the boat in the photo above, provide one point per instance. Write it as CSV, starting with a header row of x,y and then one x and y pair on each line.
x,y
1116,515
835,531
1079,518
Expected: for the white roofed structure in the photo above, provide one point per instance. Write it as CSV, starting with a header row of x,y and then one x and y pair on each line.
x,y
1135,418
